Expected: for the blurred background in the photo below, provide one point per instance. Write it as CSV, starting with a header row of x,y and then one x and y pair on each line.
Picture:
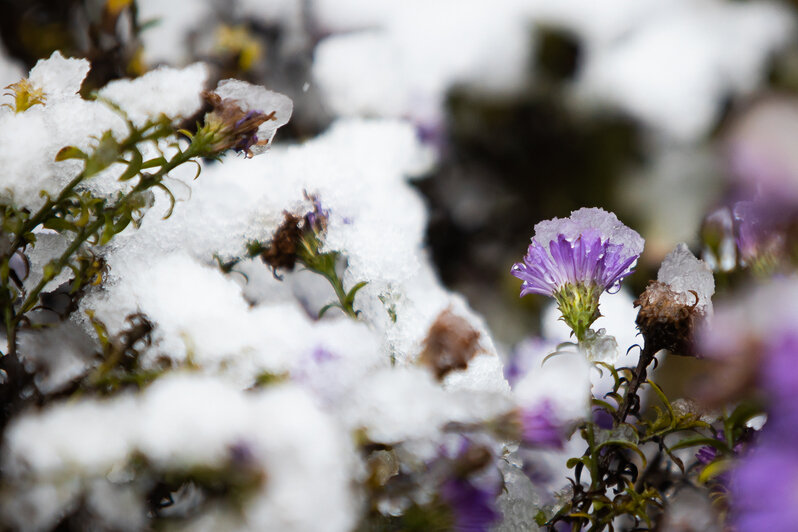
x,y
532,108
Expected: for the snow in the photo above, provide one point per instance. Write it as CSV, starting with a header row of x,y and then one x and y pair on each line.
x,y
256,98
167,40
186,420
59,77
562,381
606,223
172,92
685,274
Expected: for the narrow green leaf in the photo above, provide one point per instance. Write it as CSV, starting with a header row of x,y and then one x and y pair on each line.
x,y
133,166
712,470
154,162
743,413
604,404
350,297
700,440
628,445
70,152
60,225
327,307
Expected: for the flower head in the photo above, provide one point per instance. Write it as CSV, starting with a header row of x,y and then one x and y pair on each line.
x,y
540,427
763,489
244,117
762,235
25,96
575,259
473,507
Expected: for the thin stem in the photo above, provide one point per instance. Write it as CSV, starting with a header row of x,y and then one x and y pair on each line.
x,y
87,232
11,330
638,377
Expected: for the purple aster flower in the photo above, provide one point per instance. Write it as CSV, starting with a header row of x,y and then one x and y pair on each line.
x,y
765,489
575,259
316,219
602,418
473,507
779,381
761,230
541,428
706,454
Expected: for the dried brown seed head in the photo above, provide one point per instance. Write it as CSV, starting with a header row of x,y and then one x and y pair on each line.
x,y
450,344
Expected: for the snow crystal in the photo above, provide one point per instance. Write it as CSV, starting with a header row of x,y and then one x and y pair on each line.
x,y
59,77
686,274
173,92
606,223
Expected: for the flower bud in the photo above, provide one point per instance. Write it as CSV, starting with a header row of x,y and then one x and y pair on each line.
x,y
665,320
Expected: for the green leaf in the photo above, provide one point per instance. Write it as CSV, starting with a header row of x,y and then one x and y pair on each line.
x,y
741,415
60,225
327,307
70,152
604,404
350,297
621,436
108,232
712,470
133,165
154,162
701,440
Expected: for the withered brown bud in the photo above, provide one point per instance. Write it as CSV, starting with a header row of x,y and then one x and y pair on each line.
x,y
235,128
282,250
665,320
474,458
450,344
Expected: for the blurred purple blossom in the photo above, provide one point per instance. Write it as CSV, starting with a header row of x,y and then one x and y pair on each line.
x,y
541,428
765,489
473,507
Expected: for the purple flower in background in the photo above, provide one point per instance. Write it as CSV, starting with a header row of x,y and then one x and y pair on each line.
x,y
541,428
706,454
575,259
765,489
779,380
316,220
472,507
761,232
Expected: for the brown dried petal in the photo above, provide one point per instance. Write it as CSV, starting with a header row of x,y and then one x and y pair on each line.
x,y
450,344
282,251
